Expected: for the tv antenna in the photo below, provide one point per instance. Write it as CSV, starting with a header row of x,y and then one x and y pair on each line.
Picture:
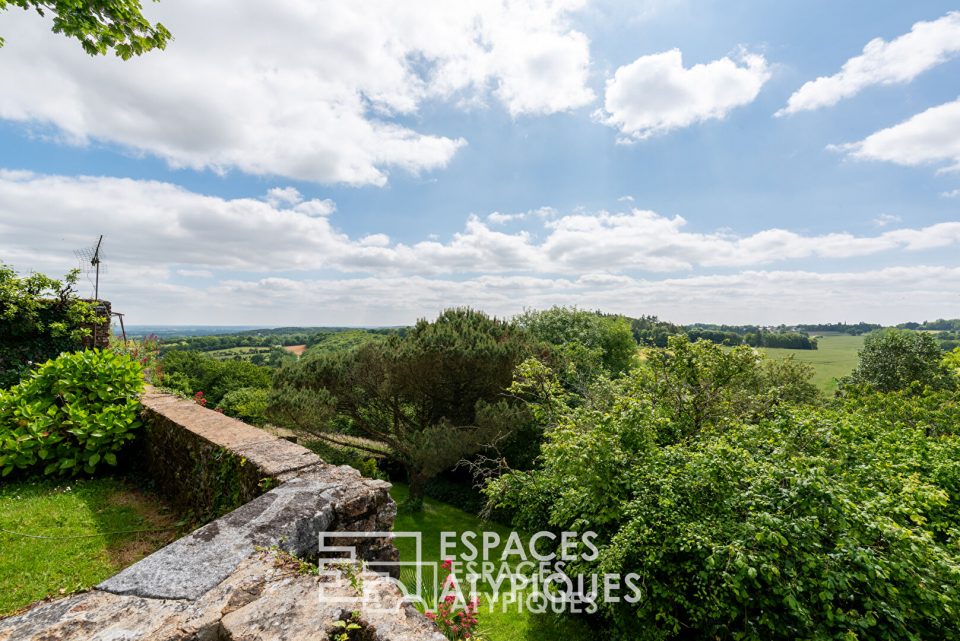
x,y
90,259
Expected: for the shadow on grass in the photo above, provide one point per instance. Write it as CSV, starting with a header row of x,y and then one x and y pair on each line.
x,y
65,535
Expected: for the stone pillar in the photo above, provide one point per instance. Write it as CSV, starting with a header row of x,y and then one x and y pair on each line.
x,y
99,337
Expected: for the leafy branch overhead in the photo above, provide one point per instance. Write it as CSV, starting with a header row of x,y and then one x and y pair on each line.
x,y
100,25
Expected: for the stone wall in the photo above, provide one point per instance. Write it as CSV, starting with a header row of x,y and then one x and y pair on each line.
x,y
99,336
231,578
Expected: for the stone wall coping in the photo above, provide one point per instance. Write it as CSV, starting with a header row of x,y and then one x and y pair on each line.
x,y
216,583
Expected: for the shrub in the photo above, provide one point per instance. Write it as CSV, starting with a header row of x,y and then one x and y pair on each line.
x,y
334,455
248,404
190,372
72,414
40,317
794,522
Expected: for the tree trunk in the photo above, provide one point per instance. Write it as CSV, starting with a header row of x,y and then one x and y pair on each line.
x,y
418,483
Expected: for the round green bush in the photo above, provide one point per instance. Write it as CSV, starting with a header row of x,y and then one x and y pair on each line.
x,y
71,415
249,404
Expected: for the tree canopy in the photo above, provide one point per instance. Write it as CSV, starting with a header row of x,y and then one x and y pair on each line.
x,y
432,396
894,359
100,25
746,510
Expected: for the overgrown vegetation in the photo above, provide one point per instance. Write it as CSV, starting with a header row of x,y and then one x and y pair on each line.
x,y
40,317
192,372
749,508
71,415
752,505
432,396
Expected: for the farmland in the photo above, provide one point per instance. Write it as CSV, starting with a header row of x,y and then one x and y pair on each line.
x,y
835,356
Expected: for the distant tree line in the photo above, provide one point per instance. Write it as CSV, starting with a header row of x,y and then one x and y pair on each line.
x,y
651,331
274,337
939,325
947,331
855,329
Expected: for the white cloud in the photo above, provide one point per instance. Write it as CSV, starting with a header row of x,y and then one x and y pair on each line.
x,y
283,196
927,45
375,240
930,137
316,207
890,295
886,219
156,232
656,94
955,193
195,273
151,225
497,218
318,102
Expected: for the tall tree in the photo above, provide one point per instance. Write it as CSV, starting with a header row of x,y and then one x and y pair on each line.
x,y
894,359
100,25
433,396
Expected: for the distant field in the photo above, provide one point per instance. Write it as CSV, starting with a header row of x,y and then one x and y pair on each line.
x,y
836,356
245,353
296,349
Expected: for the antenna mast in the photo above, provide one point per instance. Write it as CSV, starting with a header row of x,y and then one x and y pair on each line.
x,y
90,260
95,261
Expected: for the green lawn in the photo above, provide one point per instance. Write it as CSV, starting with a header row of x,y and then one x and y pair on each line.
x,y
496,625
835,357
35,568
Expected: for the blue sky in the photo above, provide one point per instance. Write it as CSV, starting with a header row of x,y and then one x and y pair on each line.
x,y
624,156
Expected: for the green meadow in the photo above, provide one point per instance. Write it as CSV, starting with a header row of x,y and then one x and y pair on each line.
x,y
835,357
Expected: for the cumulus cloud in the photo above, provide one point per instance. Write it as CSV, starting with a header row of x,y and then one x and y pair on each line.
x,y
155,225
319,103
927,45
890,295
886,219
497,218
375,240
258,263
955,193
283,195
930,137
656,94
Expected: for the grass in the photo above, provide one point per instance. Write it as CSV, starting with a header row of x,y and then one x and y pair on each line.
x,y
81,516
835,357
495,625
